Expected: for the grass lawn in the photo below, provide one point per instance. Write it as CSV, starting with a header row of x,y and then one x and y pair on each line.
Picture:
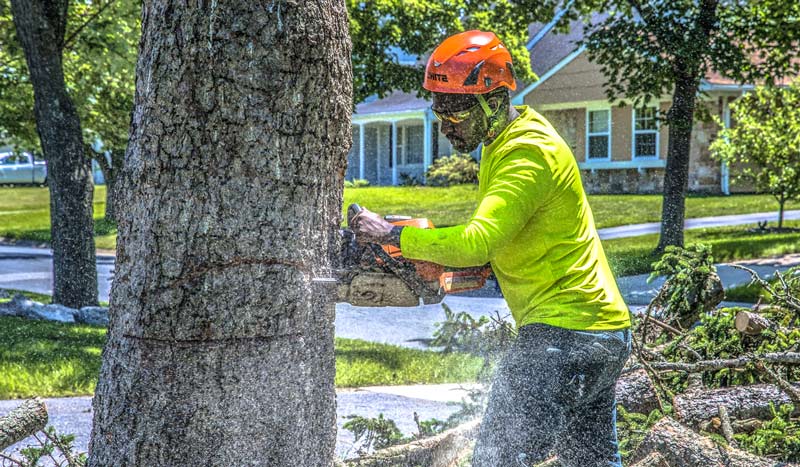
x,y
41,358
633,255
24,214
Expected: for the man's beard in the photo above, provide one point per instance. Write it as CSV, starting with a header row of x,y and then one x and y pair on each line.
x,y
463,146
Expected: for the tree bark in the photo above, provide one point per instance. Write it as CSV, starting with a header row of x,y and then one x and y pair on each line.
x,y
111,170
635,392
676,175
689,70
741,402
40,27
681,447
29,418
220,347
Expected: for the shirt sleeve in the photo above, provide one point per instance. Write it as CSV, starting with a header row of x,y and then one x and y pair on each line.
x,y
519,185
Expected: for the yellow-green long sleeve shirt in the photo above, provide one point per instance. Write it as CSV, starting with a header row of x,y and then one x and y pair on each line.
x,y
534,225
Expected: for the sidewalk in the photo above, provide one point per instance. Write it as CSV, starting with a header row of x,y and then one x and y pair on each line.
x,y
399,403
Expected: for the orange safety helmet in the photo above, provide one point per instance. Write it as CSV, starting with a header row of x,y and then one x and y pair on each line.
x,y
471,62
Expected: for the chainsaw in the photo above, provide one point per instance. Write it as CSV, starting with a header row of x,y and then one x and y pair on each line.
x,y
378,275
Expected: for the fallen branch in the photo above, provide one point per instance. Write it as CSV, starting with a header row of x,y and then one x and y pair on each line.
x,y
727,429
442,450
27,419
785,358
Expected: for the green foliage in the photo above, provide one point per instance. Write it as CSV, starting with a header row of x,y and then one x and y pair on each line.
x,y
356,183
632,428
52,449
692,286
717,338
777,439
487,338
645,48
99,58
379,29
373,433
409,180
456,169
765,141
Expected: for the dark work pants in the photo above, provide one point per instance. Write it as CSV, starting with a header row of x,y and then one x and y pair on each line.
x,y
553,393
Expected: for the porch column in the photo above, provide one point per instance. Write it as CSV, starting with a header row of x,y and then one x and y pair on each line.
x,y
394,152
427,146
361,128
725,171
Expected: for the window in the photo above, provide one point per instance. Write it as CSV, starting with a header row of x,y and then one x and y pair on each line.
x,y
645,132
598,134
410,144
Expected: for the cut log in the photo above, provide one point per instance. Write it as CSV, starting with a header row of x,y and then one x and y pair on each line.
x,y
30,417
752,324
635,392
739,426
654,459
443,450
741,402
682,447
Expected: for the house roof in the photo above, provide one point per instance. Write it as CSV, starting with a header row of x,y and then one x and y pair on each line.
x,y
396,101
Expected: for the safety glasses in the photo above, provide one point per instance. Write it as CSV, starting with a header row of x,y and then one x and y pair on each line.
x,y
458,117
455,117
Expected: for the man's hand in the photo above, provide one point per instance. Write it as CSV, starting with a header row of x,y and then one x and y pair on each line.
x,y
370,227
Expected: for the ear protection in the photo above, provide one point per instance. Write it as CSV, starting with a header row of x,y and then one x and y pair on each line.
x,y
494,117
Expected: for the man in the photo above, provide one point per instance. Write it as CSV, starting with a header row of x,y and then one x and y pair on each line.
x,y
553,393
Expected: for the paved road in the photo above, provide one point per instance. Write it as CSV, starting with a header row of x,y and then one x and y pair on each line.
x,y
30,268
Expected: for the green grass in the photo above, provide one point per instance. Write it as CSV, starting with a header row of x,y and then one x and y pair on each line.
x,y
25,211
25,215
450,206
40,358
634,255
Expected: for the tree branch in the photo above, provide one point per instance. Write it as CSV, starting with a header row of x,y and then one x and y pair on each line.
x,y
787,358
74,34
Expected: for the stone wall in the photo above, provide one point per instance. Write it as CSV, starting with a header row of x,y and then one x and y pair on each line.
x,y
623,181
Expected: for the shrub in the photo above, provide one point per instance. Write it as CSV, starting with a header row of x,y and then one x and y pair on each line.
x,y
453,170
356,183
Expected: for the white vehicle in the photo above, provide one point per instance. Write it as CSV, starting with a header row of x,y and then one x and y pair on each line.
x,y
22,169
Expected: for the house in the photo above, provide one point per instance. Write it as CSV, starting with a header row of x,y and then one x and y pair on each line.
x,y
619,149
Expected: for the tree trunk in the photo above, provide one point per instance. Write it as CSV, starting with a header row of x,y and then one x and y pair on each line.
x,y
220,347
782,203
676,175
741,402
40,27
111,170
681,447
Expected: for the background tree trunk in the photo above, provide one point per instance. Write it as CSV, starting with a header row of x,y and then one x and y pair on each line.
x,y
220,348
676,175
40,27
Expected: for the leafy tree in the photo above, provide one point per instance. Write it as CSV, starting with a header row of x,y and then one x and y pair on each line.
x,y
649,49
764,143
99,55
41,28
379,29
